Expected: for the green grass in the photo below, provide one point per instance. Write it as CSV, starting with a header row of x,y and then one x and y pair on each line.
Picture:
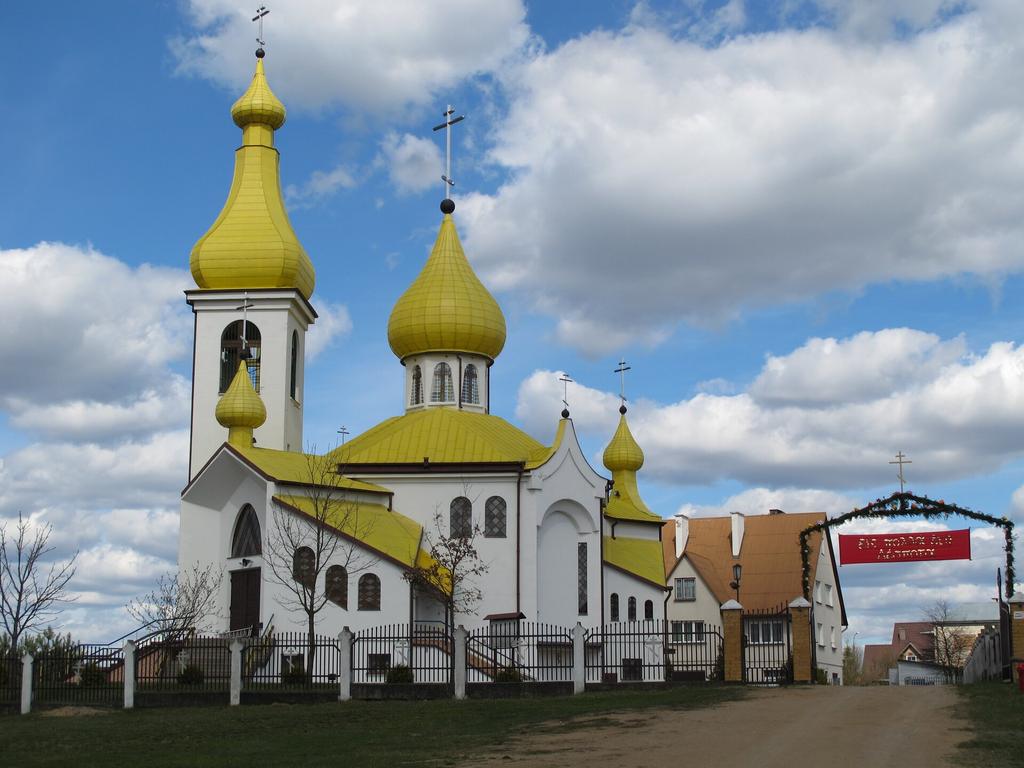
x,y
996,713
358,733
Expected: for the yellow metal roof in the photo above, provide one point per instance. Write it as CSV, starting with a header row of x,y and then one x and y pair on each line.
x,y
624,457
386,531
292,467
240,409
443,436
446,308
252,243
640,557
623,452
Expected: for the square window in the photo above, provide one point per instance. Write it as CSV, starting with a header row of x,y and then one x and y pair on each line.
x,y
686,590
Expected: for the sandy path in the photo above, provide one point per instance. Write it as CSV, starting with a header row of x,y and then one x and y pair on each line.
x,y
785,728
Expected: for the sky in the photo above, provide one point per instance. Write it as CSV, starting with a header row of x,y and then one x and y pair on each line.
x,y
800,222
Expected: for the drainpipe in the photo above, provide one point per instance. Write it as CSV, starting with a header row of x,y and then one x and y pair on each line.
x,y
519,482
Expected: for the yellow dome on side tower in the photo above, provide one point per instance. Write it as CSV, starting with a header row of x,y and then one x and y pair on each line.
x,y
447,308
240,409
252,243
623,453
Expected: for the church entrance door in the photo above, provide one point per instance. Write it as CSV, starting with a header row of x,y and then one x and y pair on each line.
x,y
245,599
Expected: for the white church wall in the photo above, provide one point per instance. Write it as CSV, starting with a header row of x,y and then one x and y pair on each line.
x,y
632,530
625,586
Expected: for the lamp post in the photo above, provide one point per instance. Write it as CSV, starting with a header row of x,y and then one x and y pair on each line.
x,y
737,571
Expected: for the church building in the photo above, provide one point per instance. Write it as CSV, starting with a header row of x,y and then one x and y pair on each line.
x,y
558,541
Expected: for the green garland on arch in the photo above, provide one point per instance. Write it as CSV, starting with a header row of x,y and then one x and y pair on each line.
x,y
908,505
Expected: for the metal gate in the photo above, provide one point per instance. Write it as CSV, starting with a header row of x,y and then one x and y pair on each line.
x,y
767,647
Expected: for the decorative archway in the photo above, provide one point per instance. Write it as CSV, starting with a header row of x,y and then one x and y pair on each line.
x,y
906,504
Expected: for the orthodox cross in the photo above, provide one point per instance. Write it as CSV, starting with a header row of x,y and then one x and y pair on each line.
x,y
449,121
901,459
621,370
342,431
260,13
566,381
246,305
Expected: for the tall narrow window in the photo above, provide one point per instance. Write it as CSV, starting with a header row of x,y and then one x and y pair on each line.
x,y
460,525
494,518
416,395
246,539
336,585
581,578
234,348
369,592
631,609
293,384
304,566
648,610
442,390
613,606
470,386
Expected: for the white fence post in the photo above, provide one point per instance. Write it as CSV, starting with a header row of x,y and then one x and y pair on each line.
x,y
579,660
345,673
128,672
236,672
459,660
26,683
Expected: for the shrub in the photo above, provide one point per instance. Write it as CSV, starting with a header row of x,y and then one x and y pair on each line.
x,y
508,675
399,674
294,675
90,675
191,675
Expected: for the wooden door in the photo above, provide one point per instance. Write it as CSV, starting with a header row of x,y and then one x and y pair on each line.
x,y
245,599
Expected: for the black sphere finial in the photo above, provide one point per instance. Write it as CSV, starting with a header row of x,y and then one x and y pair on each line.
x,y
447,205
622,409
565,413
260,53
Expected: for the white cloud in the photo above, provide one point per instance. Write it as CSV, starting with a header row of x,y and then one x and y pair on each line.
x,y
376,55
757,501
958,418
333,322
319,185
700,181
413,163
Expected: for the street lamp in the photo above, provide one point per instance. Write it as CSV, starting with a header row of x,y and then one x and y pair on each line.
x,y
737,571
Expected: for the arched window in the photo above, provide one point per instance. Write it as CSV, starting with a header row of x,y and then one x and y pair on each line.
x,y
460,525
293,385
494,518
303,567
234,348
369,592
649,610
442,390
246,539
631,609
613,604
416,396
470,387
336,586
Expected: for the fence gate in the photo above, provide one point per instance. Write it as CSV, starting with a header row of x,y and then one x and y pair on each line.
x,y
767,647
82,674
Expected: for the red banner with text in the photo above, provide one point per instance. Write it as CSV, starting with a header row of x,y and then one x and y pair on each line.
x,y
905,547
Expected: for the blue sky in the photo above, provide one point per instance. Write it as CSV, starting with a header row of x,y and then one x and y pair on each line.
x,y
800,222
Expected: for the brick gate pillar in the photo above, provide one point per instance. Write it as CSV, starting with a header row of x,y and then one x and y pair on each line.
x,y
1016,633
800,626
732,641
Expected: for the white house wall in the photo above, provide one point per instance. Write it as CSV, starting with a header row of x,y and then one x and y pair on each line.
x,y
704,608
829,645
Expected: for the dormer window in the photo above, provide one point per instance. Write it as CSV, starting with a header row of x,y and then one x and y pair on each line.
x,y
416,395
442,389
470,386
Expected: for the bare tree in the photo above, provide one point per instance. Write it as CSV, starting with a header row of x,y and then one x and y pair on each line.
x,y
304,544
181,602
952,644
30,592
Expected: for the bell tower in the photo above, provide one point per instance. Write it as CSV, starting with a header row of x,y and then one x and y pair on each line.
x,y
254,281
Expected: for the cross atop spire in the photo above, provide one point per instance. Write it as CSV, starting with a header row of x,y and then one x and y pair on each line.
x,y
449,121
901,459
260,13
621,370
566,381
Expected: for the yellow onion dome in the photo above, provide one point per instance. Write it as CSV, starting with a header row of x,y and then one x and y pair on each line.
x,y
447,308
240,409
252,243
623,453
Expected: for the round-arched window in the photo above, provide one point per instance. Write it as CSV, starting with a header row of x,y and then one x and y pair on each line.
x,y
238,343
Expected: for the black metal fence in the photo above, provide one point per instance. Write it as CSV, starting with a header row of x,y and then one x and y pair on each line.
x,y
172,662
82,674
624,652
519,651
694,652
10,683
290,660
767,647
403,653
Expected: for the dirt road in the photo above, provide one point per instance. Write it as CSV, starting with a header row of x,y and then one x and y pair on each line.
x,y
851,727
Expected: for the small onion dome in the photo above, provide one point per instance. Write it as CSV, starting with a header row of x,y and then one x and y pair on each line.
x,y
240,409
258,104
623,453
447,308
